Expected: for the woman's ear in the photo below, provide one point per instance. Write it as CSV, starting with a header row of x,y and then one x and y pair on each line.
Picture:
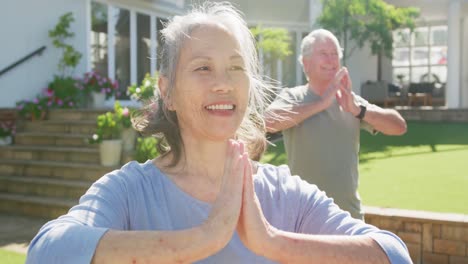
x,y
163,84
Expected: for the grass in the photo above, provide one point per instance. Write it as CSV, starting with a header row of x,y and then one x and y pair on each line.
x,y
423,170
10,257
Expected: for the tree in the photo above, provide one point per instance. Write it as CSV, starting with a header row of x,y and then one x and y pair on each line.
x,y
274,42
356,22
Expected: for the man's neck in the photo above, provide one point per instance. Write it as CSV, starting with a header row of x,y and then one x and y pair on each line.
x,y
318,87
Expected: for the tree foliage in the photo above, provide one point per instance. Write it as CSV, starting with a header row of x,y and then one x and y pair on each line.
x,y
357,22
61,32
274,42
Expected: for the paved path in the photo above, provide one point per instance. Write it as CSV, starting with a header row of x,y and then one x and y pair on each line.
x,y
17,231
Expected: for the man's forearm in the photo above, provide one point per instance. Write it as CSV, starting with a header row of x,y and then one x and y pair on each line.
x,y
387,121
279,119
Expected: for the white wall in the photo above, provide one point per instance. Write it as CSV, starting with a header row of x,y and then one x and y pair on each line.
x,y
24,27
464,61
362,67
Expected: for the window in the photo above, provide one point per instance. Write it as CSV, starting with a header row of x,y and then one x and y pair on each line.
x,y
421,55
123,43
98,38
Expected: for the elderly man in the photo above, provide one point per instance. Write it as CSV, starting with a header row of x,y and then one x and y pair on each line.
x,y
321,121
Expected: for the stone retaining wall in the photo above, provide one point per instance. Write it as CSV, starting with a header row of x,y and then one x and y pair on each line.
x,y
434,114
430,237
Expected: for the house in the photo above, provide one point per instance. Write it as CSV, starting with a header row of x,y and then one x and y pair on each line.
x,y
133,26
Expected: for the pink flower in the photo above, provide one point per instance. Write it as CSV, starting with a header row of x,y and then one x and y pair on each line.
x,y
60,102
125,112
70,103
154,106
36,101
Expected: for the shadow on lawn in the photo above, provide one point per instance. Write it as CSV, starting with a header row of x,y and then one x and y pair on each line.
x,y
389,154
418,134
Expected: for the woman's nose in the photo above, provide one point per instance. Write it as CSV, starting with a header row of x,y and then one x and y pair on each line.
x,y
223,83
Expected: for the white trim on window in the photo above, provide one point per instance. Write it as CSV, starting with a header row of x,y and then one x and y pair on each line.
x,y
133,48
298,53
88,35
279,71
154,44
144,8
111,41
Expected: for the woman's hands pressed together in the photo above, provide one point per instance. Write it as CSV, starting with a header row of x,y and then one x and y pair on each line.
x,y
237,206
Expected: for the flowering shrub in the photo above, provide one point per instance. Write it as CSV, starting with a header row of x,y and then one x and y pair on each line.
x,y
7,128
146,149
93,82
32,109
63,92
123,114
145,90
108,127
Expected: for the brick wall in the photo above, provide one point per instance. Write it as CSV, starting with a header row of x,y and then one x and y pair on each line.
x,y
430,237
434,114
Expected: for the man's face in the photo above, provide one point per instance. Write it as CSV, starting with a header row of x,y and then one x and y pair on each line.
x,y
323,62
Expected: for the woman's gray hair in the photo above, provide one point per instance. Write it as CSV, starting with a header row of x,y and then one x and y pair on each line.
x,y
156,120
318,35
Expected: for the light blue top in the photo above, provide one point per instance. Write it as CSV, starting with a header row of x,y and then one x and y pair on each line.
x,y
141,197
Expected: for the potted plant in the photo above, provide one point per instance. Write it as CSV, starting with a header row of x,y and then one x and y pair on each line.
x,y
146,149
108,136
146,90
35,109
123,115
64,93
98,87
7,131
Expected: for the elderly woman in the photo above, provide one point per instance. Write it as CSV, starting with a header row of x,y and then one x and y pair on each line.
x,y
204,200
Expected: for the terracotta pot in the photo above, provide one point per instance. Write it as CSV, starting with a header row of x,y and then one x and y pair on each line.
x,y
110,152
42,116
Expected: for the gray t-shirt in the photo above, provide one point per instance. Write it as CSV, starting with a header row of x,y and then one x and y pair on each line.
x,y
141,197
324,148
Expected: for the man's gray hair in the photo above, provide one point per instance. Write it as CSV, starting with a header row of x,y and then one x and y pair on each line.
x,y
318,35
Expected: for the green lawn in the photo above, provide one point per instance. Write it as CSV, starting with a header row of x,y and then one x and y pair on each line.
x,y
426,169
9,257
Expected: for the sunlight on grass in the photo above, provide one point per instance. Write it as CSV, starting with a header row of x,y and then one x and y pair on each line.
x,y
9,257
426,169
432,181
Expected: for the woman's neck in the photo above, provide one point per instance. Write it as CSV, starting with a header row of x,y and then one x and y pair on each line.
x,y
199,159
199,171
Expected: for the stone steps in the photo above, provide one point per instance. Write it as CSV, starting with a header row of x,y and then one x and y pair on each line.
x,y
51,164
53,139
75,114
36,206
44,187
47,153
60,126
53,169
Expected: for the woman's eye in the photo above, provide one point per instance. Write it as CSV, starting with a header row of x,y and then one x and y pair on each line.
x,y
203,68
236,68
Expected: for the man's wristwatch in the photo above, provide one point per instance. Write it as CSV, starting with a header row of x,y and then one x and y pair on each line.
x,y
362,113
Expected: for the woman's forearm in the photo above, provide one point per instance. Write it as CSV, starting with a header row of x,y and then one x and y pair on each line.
x,y
184,246
302,248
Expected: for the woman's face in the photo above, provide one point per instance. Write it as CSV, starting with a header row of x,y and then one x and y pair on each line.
x,y
211,89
